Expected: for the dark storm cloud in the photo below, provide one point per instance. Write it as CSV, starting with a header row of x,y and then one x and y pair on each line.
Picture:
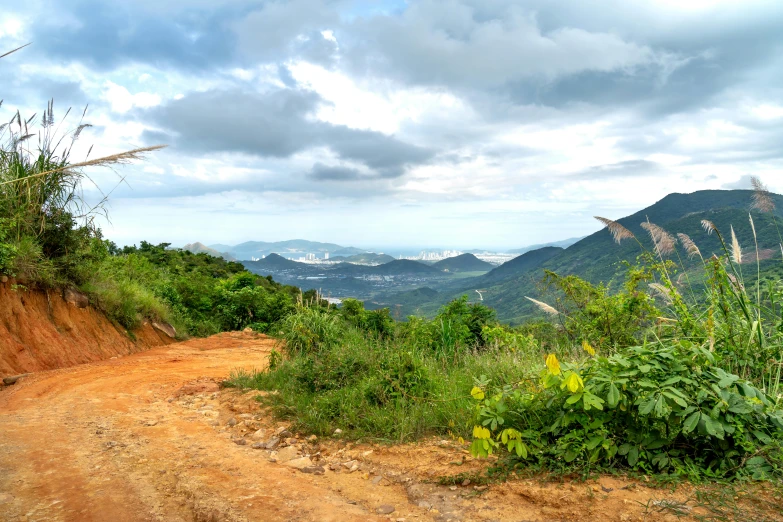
x,y
561,54
274,124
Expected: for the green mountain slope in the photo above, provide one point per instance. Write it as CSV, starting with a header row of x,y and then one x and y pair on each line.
x,y
597,258
463,263
365,258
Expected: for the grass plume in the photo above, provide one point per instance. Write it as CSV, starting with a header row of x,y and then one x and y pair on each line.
x,y
762,201
543,306
618,231
690,247
663,241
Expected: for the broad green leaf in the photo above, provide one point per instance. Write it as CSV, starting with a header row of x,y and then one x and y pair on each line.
x,y
594,441
647,406
633,456
613,397
691,422
714,427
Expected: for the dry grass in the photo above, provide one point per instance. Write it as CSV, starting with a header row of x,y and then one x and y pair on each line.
x,y
618,231
663,241
105,161
690,247
543,306
762,201
736,250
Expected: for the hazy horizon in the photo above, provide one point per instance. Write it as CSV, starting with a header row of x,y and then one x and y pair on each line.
x,y
463,123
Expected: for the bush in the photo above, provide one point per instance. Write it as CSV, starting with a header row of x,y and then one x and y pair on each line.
x,y
657,408
338,373
310,330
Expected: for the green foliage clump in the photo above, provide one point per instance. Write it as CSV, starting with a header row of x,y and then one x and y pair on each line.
x,y
359,371
658,408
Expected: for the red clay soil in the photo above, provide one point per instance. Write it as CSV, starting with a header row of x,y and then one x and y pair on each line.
x,y
39,330
152,437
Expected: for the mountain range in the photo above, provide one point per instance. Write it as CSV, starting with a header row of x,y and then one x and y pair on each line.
x,y
597,258
291,247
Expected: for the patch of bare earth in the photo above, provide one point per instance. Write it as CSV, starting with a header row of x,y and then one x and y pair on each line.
x,y
152,437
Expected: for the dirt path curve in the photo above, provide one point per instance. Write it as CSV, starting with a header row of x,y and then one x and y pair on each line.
x,y
149,437
103,442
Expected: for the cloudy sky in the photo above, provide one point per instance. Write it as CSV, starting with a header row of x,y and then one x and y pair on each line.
x,y
452,123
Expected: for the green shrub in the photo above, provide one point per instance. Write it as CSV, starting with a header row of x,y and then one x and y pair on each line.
x,y
657,408
309,330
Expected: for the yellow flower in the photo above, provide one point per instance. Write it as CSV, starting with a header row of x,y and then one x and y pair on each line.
x,y
573,382
477,393
553,364
589,349
479,432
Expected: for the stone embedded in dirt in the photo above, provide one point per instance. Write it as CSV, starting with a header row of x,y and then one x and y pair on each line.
x,y
291,441
198,387
300,463
284,434
315,470
259,435
151,423
240,442
8,381
350,464
166,328
338,431
259,445
76,298
272,443
377,480
288,453
385,509
312,438
231,422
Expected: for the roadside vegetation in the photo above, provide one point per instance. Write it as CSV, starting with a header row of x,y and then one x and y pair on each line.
x,y
663,376
49,239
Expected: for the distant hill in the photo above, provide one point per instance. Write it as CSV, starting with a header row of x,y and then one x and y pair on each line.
x,y
273,263
258,249
463,263
562,244
368,258
200,248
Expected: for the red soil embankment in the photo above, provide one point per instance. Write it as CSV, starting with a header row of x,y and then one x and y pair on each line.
x,y
39,330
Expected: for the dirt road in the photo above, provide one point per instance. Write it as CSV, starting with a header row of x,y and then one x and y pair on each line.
x,y
150,437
